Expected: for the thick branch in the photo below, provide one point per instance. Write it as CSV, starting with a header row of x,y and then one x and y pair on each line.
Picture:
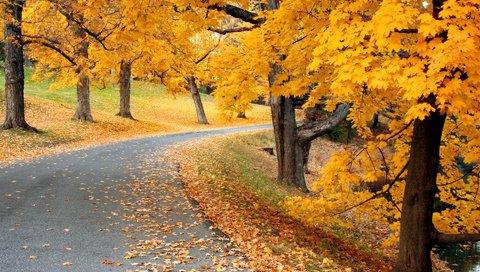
x,y
232,30
311,131
456,238
407,31
239,13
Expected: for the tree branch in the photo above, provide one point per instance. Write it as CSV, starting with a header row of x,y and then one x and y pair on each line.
x,y
407,31
239,13
309,132
58,50
390,185
232,30
208,53
96,36
456,238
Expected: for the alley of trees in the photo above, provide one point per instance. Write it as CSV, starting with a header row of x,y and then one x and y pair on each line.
x,y
414,63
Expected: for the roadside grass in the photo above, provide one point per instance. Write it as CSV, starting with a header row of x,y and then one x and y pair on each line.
x,y
156,112
233,179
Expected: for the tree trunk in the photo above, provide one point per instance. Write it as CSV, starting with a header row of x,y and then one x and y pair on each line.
x,y
83,111
14,69
376,122
312,130
242,115
202,118
289,153
125,75
417,233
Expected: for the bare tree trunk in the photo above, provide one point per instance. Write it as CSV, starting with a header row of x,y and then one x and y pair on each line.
x,y
83,111
14,69
202,118
125,75
416,230
289,152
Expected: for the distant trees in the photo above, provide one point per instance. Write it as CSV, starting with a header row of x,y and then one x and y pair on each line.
x,y
61,34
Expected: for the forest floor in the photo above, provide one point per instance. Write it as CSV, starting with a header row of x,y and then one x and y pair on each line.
x,y
233,179
156,112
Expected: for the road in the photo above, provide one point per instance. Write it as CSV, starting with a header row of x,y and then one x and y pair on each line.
x,y
117,207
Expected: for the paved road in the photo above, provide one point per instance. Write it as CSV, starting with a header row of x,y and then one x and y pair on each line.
x,y
117,207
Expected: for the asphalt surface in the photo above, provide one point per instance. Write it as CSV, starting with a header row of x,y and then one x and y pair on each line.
x,y
116,207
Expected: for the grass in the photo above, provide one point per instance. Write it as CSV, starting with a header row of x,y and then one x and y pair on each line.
x,y
156,111
234,180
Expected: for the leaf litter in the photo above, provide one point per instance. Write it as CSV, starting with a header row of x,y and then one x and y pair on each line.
x,y
165,229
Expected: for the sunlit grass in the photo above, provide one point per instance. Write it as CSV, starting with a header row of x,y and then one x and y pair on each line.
x,y
156,112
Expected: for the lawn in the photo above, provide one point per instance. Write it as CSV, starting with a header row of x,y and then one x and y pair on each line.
x,y
156,111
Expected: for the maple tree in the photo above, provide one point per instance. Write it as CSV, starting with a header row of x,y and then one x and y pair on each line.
x,y
421,63
395,55
271,56
67,28
14,66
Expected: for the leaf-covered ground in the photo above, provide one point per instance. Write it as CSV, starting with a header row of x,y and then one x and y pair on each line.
x,y
156,111
232,179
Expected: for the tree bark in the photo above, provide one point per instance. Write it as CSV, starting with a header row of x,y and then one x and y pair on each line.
x,y
14,69
310,131
375,122
83,111
290,154
242,115
125,75
417,233
197,100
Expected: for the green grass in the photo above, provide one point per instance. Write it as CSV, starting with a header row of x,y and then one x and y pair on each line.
x,y
242,160
102,98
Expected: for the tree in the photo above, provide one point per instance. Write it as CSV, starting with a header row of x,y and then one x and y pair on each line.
x,y
202,118
274,56
14,67
69,28
423,64
124,82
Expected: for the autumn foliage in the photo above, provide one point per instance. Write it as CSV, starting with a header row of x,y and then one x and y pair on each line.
x,y
416,63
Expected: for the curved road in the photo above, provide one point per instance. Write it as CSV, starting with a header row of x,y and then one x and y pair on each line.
x,y
116,207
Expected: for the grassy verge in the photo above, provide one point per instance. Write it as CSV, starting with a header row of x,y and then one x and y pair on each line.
x,y
156,111
233,180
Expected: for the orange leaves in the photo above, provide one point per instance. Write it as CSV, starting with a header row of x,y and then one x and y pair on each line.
x,y
271,240
109,262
